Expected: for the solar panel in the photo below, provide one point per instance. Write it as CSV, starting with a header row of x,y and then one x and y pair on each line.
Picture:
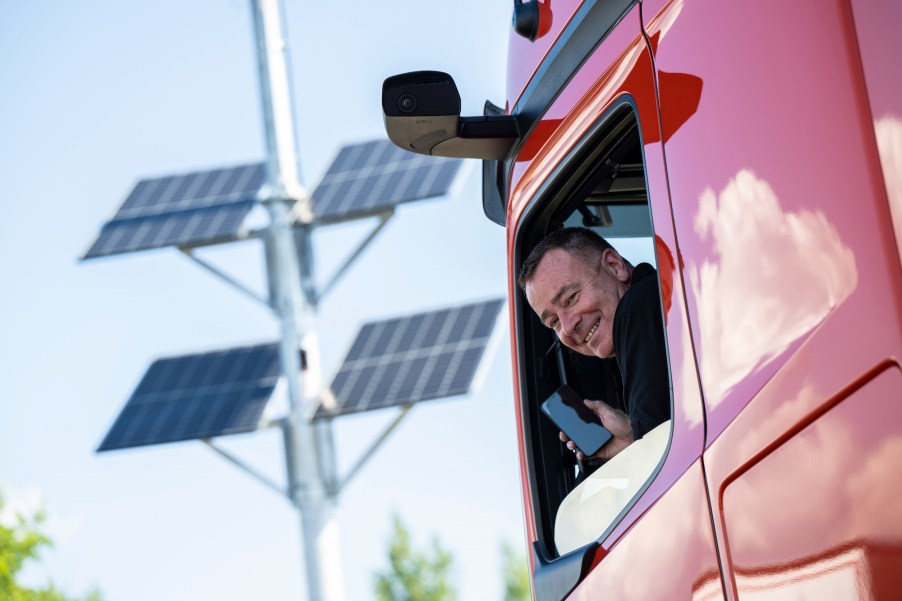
x,y
410,359
197,396
202,207
374,176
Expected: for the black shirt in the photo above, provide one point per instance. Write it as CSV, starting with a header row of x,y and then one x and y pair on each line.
x,y
641,352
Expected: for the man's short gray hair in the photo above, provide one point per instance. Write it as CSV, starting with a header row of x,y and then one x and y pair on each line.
x,y
579,241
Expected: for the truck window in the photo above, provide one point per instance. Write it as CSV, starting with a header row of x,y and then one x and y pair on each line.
x,y
601,185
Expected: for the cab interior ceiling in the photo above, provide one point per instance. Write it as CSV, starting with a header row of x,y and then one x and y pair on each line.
x,y
612,196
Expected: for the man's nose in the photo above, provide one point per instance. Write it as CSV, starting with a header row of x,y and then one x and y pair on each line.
x,y
569,323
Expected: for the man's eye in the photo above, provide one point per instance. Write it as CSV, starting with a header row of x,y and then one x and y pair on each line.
x,y
572,298
553,323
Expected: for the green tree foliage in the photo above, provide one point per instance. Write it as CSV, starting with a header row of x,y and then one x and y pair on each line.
x,y
19,543
414,575
515,573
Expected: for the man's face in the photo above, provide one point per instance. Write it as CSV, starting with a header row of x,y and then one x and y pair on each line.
x,y
578,300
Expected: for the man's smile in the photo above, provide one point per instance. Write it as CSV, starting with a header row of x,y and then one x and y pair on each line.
x,y
591,331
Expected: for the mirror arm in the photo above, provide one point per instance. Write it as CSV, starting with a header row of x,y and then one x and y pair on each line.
x,y
503,126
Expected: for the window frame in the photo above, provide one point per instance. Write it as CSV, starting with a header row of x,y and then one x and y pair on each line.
x,y
560,189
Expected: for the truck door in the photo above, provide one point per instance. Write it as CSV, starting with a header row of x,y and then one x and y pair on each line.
x,y
595,158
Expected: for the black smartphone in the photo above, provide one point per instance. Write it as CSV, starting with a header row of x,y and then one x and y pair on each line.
x,y
568,412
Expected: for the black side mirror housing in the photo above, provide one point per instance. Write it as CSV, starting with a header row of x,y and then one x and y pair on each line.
x,y
422,114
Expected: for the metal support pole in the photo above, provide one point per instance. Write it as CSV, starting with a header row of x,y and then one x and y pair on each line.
x,y
310,455
244,467
383,219
371,450
224,276
275,94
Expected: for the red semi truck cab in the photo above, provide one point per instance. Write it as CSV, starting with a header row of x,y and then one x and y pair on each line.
x,y
752,152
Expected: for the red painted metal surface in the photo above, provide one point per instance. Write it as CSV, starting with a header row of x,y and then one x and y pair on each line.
x,y
792,508
773,246
772,134
669,554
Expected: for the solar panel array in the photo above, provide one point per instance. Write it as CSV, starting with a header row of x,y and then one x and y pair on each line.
x,y
197,396
210,206
373,176
410,359
180,210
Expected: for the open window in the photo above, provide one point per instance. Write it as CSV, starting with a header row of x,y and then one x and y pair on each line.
x,y
600,184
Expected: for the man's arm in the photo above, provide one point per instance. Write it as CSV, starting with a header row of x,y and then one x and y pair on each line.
x,y
642,357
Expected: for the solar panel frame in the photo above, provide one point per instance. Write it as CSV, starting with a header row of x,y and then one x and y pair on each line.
x,y
193,209
375,176
406,360
197,396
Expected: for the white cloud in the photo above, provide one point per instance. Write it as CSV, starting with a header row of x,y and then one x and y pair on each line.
x,y
776,276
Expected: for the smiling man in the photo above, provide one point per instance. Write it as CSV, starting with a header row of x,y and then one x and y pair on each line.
x,y
599,305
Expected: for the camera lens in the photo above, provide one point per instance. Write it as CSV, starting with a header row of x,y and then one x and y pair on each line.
x,y
407,103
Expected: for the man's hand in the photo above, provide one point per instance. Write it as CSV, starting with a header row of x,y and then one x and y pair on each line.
x,y
617,422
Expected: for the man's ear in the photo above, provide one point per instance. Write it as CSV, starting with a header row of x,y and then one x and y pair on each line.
x,y
615,264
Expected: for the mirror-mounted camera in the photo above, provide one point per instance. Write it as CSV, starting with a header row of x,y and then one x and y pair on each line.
x,y
422,114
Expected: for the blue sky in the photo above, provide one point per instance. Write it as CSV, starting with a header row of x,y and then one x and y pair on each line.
x,y
98,95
